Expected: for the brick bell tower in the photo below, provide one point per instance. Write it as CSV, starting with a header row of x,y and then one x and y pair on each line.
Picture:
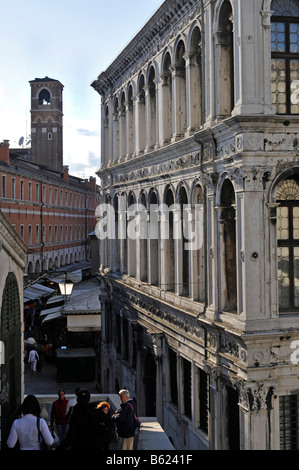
x,y
46,123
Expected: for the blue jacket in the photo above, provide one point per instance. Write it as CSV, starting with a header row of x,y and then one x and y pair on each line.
x,y
125,419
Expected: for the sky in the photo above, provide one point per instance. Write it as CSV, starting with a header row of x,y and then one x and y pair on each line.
x,y
70,41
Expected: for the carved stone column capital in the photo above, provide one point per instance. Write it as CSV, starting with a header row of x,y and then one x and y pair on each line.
x,y
253,396
260,395
266,18
214,372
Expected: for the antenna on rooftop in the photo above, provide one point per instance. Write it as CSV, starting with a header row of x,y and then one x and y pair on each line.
x,y
21,141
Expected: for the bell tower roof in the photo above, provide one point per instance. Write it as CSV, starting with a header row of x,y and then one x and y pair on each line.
x,y
46,79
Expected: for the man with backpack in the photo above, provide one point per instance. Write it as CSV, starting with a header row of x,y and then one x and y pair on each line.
x,y
126,421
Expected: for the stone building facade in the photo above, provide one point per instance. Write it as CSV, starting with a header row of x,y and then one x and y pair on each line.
x,y
198,222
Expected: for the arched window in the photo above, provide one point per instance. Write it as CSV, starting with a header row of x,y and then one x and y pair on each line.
x,y
225,61
131,234
10,372
106,136
116,239
197,255
228,248
115,132
44,97
154,264
122,211
180,92
167,121
143,239
122,126
141,116
285,56
152,111
195,98
130,120
183,242
288,243
169,257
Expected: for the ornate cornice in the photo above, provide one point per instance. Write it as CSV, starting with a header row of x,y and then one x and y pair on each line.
x,y
154,310
165,24
161,313
163,168
233,347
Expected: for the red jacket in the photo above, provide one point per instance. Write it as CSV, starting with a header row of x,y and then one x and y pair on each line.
x,y
58,412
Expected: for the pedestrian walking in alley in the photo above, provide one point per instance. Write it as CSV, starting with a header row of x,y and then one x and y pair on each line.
x,y
126,421
106,425
32,359
83,431
58,415
24,430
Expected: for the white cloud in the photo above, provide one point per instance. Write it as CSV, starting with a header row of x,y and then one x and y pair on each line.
x,y
13,127
1,91
81,147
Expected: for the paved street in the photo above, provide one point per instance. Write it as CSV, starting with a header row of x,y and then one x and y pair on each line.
x,y
44,382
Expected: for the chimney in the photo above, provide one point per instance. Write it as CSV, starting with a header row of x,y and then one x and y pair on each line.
x,y
66,174
4,151
92,183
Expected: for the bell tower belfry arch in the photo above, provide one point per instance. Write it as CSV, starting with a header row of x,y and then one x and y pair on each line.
x,y
46,123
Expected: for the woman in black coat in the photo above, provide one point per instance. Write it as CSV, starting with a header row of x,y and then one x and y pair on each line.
x,y
106,425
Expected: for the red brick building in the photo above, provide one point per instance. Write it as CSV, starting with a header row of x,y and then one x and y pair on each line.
x,y
50,209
